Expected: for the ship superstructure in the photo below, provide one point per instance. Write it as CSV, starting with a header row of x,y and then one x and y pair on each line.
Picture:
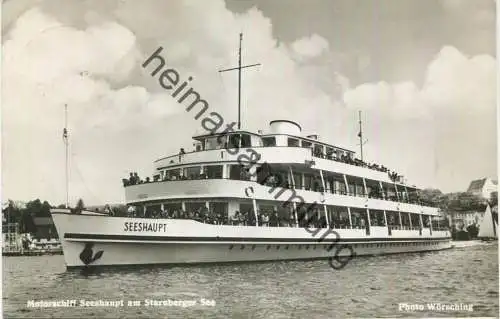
x,y
243,196
283,170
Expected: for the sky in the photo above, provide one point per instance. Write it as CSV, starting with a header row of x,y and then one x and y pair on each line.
x,y
423,73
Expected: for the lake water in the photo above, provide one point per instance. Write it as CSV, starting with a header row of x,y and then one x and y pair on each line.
x,y
366,287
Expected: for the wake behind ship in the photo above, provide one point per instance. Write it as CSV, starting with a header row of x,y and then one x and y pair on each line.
x,y
242,196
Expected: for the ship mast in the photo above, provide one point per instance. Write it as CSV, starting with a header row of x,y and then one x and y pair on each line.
x,y
239,78
66,146
360,135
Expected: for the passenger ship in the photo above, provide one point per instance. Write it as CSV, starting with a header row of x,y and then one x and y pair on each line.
x,y
242,196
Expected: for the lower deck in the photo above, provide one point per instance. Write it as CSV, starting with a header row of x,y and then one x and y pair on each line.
x,y
248,212
105,240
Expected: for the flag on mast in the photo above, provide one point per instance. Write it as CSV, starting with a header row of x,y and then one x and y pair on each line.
x,y
65,130
65,135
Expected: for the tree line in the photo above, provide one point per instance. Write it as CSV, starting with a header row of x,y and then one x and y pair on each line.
x,y
461,201
24,214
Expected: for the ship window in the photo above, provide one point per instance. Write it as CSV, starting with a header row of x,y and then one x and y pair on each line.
x,y
170,207
318,150
360,190
198,146
218,207
352,189
269,141
192,172
234,141
246,208
245,141
172,174
213,143
213,171
330,152
293,142
238,172
306,144
425,220
297,178
307,182
269,209
192,207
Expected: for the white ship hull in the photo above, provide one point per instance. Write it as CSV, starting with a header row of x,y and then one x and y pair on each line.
x,y
94,240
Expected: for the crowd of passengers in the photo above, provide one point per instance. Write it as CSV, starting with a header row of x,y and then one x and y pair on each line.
x,y
348,159
134,179
276,180
310,219
247,218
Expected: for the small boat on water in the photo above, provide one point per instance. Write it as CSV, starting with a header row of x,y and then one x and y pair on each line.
x,y
488,229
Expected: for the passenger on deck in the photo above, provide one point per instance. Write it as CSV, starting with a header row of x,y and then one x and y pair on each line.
x,y
219,219
329,154
107,209
181,154
322,221
137,179
242,219
131,211
197,216
265,220
273,219
131,179
235,219
251,218
291,220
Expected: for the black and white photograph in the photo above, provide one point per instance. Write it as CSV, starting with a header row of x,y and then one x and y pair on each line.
x,y
249,159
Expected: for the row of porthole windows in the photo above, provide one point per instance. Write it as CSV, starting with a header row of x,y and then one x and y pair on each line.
x,y
326,247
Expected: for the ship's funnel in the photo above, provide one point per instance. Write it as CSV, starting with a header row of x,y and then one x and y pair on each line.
x,y
285,127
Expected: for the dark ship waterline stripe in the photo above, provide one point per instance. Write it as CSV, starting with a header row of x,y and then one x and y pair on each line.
x,y
239,239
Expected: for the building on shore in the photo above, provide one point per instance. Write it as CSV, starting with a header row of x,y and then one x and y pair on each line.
x,y
463,219
44,227
483,187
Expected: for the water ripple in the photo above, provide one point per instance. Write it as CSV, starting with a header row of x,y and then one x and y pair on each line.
x,y
367,287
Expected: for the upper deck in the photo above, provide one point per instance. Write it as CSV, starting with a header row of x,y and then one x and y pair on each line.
x,y
282,145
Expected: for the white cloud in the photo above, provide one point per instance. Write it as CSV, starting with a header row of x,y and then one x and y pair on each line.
x,y
455,109
310,47
46,65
